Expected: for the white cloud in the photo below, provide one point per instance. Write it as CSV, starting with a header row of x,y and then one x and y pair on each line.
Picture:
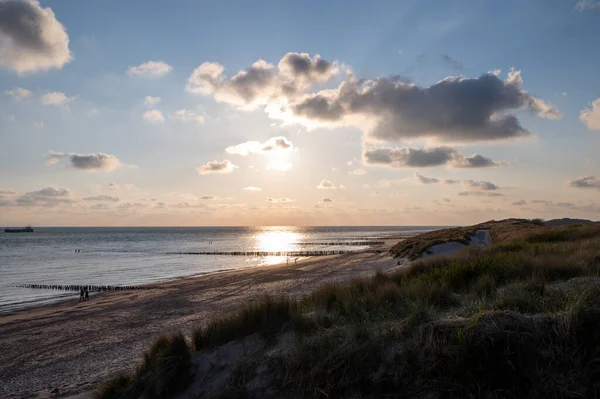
x,y
150,101
334,169
88,162
32,38
56,99
591,116
358,172
224,166
262,82
584,5
186,115
279,143
19,93
328,185
252,188
154,116
150,69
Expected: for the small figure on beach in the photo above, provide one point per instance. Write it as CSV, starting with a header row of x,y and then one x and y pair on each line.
x,y
81,296
87,294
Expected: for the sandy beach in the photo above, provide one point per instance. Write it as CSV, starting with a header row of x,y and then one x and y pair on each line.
x,y
67,348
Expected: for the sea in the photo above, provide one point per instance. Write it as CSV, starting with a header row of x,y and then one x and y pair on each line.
x,y
126,256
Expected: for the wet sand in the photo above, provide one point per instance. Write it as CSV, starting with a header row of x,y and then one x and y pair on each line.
x,y
68,347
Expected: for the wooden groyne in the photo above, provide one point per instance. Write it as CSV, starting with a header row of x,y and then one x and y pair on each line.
x,y
361,243
92,288
297,254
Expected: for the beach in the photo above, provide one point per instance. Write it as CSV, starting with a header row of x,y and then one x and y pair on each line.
x,y
67,348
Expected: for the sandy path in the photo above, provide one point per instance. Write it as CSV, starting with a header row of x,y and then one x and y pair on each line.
x,y
67,348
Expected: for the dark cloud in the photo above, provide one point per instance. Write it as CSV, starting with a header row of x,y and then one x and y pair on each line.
x,y
47,197
480,185
452,63
450,181
224,166
107,198
301,67
100,207
454,109
585,182
7,192
31,37
425,179
88,162
477,161
209,197
326,199
519,203
479,194
406,157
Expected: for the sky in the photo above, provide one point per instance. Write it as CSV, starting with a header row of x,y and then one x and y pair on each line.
x,y
204,113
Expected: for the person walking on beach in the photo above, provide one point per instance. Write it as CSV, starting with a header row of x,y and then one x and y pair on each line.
x,y
81,295
87,294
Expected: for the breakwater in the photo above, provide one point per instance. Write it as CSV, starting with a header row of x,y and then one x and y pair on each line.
x,y
297,254
92,288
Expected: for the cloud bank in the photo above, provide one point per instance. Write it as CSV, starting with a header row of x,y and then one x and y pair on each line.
x,y
407,157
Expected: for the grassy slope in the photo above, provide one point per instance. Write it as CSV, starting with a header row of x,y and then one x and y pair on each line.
x,y
500,231
517,319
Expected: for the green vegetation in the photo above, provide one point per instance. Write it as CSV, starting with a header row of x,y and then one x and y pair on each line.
x,y
520,318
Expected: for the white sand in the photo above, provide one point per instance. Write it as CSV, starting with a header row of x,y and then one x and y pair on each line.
x,y
481,238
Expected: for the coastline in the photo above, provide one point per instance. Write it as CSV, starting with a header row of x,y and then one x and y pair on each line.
x,y
71,346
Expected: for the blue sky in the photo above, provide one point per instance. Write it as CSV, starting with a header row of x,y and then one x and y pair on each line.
x,y
368,135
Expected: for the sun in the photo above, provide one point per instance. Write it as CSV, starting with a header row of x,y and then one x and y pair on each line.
x,y
279,160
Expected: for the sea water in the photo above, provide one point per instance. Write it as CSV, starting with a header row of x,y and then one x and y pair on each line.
x,y
141,255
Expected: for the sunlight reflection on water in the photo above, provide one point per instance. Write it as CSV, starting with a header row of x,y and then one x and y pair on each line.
x,y
277,239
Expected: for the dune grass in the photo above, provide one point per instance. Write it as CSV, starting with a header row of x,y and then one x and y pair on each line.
x,y
498,322
164,373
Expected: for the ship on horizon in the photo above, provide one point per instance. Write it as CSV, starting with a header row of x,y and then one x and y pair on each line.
x,y
27,229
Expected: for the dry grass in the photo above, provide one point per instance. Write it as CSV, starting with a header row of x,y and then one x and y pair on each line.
x,y
500,231
265,317
488,322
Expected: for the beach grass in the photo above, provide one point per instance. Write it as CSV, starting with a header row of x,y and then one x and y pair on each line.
x,y
520,318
